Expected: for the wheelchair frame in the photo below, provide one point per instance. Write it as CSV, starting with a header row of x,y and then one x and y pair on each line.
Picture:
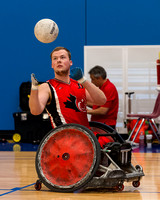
x,y
109,167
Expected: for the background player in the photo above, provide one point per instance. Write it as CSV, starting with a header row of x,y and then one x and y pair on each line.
x,y
108,112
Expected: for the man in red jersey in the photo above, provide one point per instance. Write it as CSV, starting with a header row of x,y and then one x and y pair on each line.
x,y
108,112
63,98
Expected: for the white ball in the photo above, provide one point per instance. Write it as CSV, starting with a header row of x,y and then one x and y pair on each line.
x,y
46,30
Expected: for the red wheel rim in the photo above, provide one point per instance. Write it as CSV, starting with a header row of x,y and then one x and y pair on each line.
x,y
67,157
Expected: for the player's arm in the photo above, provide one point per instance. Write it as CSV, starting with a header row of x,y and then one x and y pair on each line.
x,y
89,104
98,111
93,94
39,97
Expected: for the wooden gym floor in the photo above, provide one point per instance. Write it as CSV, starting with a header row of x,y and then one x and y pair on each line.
x,y
18,175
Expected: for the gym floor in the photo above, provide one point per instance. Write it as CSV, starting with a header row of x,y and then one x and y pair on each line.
x,y
18,176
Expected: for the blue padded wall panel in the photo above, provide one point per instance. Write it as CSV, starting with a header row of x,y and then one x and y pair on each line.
x,y
21,53
123,22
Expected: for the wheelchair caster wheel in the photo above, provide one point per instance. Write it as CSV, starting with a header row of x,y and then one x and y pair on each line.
x,y
136,183
139,168
120,188
38,185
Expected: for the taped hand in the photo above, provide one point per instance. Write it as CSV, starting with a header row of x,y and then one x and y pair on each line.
x,y
34,82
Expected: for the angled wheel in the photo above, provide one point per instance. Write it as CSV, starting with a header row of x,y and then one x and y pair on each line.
x,y
68,158
106,130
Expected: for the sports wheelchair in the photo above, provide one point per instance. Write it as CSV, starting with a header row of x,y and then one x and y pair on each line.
x,y
70,159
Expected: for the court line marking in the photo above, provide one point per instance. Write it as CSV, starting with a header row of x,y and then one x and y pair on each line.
x,y
20,188
16,189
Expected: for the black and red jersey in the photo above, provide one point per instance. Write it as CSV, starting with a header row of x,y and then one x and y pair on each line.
x,y
68,103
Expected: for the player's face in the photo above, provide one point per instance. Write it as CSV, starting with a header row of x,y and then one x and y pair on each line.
x,y
95,80
61,62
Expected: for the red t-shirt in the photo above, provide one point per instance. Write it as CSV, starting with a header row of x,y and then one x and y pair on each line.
x,y
68,104
112,103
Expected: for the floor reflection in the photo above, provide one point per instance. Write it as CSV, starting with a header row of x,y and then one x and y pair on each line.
x,y
10,146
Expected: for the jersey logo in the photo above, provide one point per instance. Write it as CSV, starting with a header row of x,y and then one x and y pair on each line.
x,y
71,103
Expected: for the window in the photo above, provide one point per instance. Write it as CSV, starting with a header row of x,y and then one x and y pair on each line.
x,y
131,69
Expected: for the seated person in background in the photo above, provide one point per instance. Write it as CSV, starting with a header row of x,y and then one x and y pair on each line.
x,y
63,98
108,112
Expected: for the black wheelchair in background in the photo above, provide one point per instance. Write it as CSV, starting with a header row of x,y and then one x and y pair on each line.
x,y
69,158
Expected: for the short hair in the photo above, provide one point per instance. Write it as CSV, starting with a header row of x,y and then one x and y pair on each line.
x,y
98,71
61,48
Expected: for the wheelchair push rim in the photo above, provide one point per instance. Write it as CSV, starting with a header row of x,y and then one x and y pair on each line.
x,y
68,158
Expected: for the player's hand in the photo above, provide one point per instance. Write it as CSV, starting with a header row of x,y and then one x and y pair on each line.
x,y
77,74
34,82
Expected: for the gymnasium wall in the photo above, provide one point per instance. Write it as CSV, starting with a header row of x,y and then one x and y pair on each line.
x,y
81,22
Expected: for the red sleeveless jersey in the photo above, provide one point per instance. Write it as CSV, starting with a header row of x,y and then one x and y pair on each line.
x,y
68,103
